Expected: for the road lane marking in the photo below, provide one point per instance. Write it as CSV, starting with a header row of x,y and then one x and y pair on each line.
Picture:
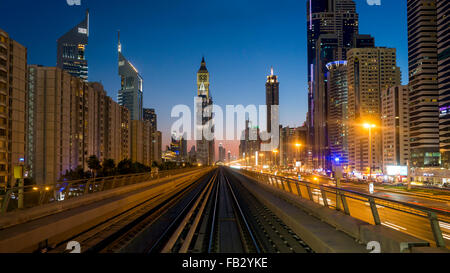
x,y
393,226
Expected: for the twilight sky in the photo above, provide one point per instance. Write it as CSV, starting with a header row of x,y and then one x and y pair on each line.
x,y
165,40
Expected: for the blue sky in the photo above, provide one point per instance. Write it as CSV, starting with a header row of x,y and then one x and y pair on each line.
x,y
165,40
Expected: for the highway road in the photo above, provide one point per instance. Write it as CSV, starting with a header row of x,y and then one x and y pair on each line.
x,y
436,201
394,218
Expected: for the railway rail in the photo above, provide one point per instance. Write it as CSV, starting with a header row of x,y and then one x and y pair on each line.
x,y
214,214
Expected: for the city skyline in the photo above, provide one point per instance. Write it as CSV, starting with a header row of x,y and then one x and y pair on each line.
x,y
244,55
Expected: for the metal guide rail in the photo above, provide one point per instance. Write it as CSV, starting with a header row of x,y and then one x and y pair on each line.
x,y
20,198
226,218
425,223
116,232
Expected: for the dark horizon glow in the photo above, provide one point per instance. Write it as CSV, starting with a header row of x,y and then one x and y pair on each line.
x,y
165,41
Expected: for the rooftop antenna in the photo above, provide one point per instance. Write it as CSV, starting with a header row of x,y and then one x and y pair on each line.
x,y
119,45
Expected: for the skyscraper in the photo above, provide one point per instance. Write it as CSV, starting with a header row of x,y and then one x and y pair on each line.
x,y
71,50
423,81
443,50
131,91
395,126
332,29
369,71
272,97
13,105
338,111
205,147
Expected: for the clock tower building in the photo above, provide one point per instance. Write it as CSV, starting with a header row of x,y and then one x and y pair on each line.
x,y
205,148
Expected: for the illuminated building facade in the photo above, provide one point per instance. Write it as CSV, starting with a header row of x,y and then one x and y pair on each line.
x,y
423,82
369,71
205,147
395,126
71,50
131,91
13,105
337,87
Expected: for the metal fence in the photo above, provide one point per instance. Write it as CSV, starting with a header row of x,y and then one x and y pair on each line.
x,y
20,198
428,224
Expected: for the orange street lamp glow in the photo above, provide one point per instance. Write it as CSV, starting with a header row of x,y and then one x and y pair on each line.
x,y
298,145
369,126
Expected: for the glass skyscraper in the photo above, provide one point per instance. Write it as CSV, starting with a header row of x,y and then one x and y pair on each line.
x,y
71,49
131,91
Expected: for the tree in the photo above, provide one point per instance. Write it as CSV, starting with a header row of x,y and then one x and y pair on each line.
x,y
94,164
108,167
124,166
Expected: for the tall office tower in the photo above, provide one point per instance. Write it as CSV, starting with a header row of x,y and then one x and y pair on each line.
x,y
71,50
423,81
443,47
338,111
229,156
150,115
369,71
222,152
13,105
131,91
332,28
272,97
205,148
395,126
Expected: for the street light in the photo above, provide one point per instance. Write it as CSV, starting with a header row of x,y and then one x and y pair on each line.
x,y
370,126
298,145
275,152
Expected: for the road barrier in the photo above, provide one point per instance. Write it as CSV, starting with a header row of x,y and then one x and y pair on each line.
x,y
422,222
20,198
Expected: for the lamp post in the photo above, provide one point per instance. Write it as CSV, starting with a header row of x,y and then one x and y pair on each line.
x,y
370,127
298,145
275,152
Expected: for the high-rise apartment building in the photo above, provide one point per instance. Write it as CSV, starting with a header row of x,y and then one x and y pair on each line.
x,y
150,115
68,121
272,97
395,126
157,146
338,111
443,59
141,142
205,147
423,81
117,131
13,105
71,50
369,71
131,91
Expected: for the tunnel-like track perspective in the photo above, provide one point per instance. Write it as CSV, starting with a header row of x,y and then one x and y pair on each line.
x,y
214,214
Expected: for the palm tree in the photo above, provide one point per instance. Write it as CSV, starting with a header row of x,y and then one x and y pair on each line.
x,y
94,164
